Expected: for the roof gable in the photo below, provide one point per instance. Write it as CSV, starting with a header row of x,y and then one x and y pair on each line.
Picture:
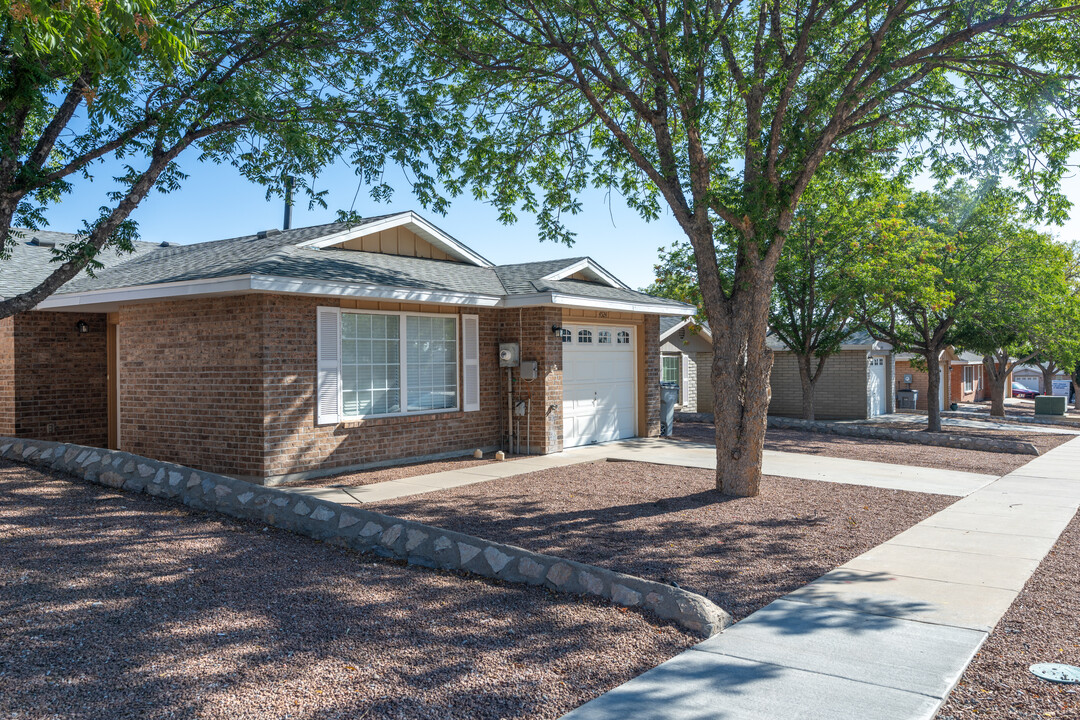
x,y
585,270
397,235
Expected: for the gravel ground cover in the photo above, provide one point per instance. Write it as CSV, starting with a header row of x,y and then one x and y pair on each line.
x,y
1043,441
398,472
801,441
116,606
1039,627
1019,408
669,524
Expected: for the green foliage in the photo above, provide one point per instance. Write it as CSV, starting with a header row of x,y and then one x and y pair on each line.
x,y
272,87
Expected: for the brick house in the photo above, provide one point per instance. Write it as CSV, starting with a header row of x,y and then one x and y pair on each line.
x,y
686,359
910,376
854,385
315,350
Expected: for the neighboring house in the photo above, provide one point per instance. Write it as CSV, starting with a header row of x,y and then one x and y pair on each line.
x,y
320,349
854,384
967,379
910,377
686,359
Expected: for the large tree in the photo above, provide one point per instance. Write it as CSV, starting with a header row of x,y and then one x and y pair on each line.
x,y
1027,306
923,292
724,111
814,295
276,87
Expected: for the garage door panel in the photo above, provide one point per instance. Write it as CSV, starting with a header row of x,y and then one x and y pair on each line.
x,y
599,390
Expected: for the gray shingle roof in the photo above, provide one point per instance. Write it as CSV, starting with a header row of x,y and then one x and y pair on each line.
x,y
30,264
277,255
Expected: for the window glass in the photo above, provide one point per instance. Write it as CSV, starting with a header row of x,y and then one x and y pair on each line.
x,y
431,359
624,337
566,335
669,371
603,337
370,364
584,336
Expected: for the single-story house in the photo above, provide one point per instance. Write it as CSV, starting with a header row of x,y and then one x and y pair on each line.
x,y
854,385
910,377
686,359
967,379
314,350
1031,377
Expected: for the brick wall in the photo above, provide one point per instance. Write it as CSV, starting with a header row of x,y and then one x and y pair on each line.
x,y
7,376
920,381
979,390
840,393
649,357
228,385
58,377
191,385
703,362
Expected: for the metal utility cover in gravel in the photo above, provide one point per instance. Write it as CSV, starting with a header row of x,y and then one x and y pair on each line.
x,y
117,606
854,448
669,524
1042,626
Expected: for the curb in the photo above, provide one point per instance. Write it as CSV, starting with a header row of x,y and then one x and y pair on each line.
x,y
915,437
366,531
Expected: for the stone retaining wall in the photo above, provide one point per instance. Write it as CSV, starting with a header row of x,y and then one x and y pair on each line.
x,y
366,531
915,437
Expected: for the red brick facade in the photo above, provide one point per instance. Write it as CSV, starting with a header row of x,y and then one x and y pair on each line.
x,y
228,384
54,378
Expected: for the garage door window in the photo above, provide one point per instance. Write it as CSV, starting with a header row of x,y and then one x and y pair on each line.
x,y
566,335
603,337
584,336
670,370
624,337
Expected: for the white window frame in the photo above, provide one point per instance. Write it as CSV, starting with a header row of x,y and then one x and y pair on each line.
x,y
403,367
678,368
969,378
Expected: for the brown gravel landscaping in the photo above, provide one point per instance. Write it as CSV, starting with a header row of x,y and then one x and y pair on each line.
x,y
1043,441
1041,626
398,472
669,524
120,606
853,448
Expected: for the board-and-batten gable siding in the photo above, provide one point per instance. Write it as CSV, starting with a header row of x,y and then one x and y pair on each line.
x,y
841,392
397,241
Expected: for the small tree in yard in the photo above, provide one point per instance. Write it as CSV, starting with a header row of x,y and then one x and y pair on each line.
x,y
814,297
1029,301
922,284
725,111
275,87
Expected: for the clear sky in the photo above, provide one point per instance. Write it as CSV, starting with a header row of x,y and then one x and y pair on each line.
x,y
215,203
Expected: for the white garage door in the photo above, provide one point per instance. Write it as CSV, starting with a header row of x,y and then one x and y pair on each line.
x,y
599,402
876,387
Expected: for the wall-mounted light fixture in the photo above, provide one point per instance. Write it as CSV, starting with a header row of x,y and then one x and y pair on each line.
x,y
556,329
82,327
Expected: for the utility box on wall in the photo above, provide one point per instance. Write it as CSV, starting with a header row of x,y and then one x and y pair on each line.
x,y
509,353
528,370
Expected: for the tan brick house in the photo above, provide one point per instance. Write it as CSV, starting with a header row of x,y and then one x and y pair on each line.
x,y
686,360
319,349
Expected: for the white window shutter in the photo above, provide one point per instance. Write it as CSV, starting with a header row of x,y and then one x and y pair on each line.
x,y
329,370
470,354
685,384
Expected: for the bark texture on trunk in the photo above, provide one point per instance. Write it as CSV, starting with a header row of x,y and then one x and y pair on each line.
x,y
741,368
997,371
808,377
1048,372
933,383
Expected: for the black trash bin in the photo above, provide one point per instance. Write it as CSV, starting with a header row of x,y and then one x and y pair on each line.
x,y
669,395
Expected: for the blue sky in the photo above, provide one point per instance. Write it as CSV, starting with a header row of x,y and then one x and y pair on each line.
x,y
215,202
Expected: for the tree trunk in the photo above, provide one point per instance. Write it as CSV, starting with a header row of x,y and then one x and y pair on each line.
x,y
809,384
997,373
1076,389
1048,373
933,382
740,378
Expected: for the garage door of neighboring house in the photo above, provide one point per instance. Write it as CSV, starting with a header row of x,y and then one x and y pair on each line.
x,y
876,385
599,401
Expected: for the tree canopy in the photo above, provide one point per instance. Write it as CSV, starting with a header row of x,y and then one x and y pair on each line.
x,y
274,87
724,111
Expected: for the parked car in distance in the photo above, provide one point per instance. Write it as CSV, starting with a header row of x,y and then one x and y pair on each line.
x,y
1021,391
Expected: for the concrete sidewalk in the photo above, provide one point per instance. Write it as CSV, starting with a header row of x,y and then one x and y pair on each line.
x,y
885,636
671,452
918,421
